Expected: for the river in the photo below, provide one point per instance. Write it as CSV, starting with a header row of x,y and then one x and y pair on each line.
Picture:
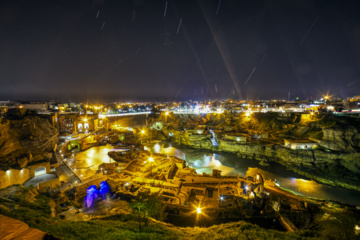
x,y
206,160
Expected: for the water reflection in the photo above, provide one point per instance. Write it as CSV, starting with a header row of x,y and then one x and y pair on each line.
x,y
203,161
206,160
87,162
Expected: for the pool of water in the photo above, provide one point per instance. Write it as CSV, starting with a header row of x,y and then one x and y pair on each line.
x,y
87,162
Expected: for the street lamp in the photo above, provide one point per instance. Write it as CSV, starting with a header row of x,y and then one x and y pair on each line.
x,y
151,160
198,215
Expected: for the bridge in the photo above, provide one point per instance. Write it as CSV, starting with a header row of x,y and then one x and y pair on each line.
x,y
196,112
123,114
149,112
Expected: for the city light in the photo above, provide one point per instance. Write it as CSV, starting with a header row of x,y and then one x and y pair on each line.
x,y
208,120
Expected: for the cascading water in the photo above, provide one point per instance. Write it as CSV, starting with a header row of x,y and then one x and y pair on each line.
x,y
94,195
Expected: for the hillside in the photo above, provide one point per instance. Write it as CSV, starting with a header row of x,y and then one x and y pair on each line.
x,y
25,138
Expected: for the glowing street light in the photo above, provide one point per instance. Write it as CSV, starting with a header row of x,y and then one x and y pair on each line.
x,y
166,113
221,198
198,210
142,131
151,160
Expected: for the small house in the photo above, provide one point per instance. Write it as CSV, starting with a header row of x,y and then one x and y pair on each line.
x,y
299,144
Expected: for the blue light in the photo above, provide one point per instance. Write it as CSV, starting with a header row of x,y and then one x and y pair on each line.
x,y
92,196
104,189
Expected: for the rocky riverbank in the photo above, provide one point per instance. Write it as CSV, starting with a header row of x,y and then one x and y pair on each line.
x,y
336,169
334,162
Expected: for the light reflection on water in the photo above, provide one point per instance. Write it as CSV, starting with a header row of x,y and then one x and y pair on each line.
x,y
206,160
87,162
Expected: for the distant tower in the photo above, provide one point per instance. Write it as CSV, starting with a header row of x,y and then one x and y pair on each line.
x,y
289,97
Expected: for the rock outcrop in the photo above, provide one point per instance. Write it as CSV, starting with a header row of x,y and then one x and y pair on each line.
x,y
26,138
347,140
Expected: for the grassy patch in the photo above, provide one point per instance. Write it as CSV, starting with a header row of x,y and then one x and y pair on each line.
x,y
37,215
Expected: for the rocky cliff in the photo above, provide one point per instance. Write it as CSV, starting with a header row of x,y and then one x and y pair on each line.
x,y
25,138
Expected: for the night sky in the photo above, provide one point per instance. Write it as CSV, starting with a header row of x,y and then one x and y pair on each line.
x,y
178,50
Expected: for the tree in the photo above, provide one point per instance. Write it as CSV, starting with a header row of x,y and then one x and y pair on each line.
x,y
138,205
146,205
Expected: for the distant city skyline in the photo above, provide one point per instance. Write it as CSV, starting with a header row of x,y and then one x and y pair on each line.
x,y
104,51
